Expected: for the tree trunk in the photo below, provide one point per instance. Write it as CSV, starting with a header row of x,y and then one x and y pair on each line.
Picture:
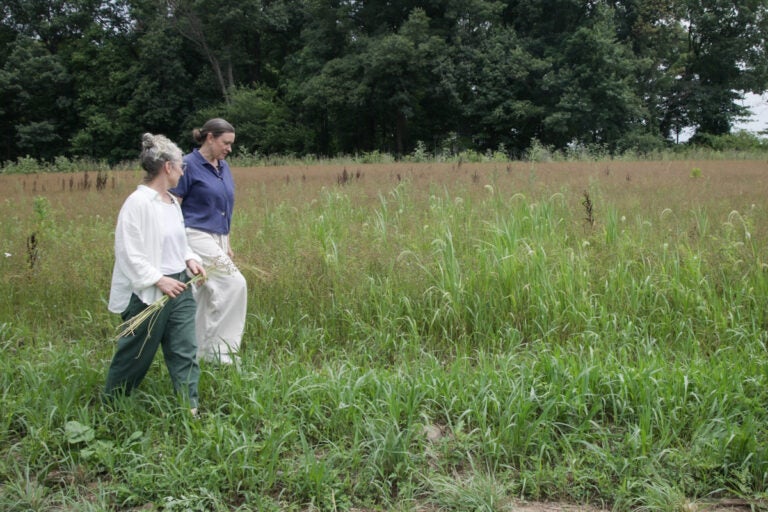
x,y
190,26
400,128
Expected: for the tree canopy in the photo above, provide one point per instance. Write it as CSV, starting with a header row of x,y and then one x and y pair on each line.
x,y
84,78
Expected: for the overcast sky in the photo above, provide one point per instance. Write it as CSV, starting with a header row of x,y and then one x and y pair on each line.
x,y
759,106
757,103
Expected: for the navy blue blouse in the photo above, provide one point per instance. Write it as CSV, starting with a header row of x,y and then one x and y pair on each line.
x,y
207,193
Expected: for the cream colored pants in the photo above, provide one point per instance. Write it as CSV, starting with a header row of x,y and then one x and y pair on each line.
x,y
221,301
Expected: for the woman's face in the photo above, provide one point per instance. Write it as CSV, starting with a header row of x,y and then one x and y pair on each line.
x,y
176,171
221,146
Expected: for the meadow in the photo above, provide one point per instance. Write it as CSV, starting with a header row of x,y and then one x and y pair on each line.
x,y
421,337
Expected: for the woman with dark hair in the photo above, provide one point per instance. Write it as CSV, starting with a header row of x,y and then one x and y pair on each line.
x,y
207,194
152,259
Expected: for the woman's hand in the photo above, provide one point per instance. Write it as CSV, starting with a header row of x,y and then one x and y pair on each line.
x,y
197,269
171,287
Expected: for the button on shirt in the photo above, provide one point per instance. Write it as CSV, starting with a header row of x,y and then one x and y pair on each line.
x,y
207,193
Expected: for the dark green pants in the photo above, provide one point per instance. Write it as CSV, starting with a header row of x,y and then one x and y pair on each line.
x,y
173,329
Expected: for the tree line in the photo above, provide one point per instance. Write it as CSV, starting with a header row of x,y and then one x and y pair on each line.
x,y
84,78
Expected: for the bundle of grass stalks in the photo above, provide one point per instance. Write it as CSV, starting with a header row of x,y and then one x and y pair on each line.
x,y
150,312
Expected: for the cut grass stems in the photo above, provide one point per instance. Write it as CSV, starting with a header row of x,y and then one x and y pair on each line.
x,y
149,314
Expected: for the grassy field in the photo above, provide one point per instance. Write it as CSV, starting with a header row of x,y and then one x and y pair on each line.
x,y
425,337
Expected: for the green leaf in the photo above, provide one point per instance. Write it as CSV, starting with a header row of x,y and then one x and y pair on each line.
x,y
76,432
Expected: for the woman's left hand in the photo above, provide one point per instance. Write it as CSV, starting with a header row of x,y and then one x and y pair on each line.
x,y
197,269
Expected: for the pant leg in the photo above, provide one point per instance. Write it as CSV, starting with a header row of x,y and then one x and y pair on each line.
x,y
135,352
221,301
180,347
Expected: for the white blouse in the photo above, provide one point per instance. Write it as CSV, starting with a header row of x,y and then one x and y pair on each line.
x,y
139,237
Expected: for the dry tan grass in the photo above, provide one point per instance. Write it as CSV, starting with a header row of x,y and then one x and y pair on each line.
x,y
644,188
719,178
650,183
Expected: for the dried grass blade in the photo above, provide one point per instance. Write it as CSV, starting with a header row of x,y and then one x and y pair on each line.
x,y
129,326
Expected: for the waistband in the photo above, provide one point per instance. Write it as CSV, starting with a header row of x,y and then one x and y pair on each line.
x,y
179,276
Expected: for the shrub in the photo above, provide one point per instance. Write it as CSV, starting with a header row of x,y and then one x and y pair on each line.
x,y
23,165
739,141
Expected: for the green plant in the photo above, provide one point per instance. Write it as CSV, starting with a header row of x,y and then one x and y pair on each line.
x,y
420,153
414,343
23,165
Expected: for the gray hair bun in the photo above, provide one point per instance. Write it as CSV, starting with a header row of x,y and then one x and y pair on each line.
x,y
147,141
155,151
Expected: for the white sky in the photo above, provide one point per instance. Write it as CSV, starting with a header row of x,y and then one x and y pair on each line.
x,y
757,103
759,106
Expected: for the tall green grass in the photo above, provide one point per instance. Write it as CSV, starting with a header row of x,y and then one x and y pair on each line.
x,y
450,346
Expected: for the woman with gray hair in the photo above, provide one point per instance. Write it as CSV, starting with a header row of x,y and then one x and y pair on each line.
x,y
152,259
207,192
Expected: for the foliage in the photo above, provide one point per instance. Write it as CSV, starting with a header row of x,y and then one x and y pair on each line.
x,y
739,141
37,99
131,82
594,86
725,55
263,122
84,78
60,164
